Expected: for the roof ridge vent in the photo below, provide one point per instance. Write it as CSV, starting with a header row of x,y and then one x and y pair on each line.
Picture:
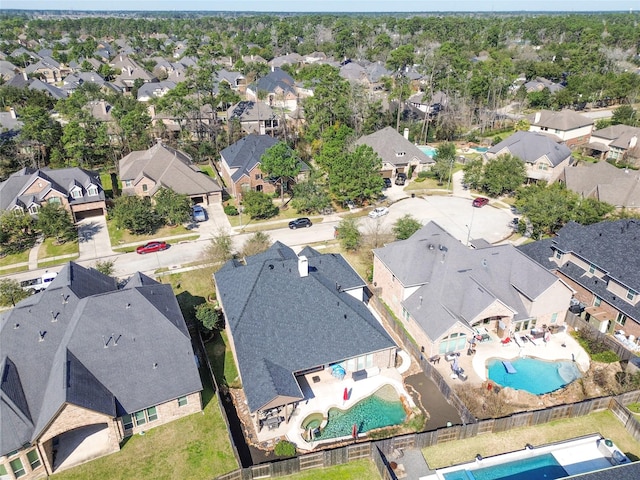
x,y
41,335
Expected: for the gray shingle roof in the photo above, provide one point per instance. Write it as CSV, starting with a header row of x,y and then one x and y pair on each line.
x,y
531,146
393,148
83,341
564,120
245,154
282,323
457,283
61,180
168,168
601,180
277,79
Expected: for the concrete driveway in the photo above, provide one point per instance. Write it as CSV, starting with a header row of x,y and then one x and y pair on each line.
x,y
456,215
93,238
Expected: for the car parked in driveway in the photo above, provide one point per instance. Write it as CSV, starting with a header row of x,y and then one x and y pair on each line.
x,y
401,178
152,247
480,202
300,223
199,214
378,212
387,182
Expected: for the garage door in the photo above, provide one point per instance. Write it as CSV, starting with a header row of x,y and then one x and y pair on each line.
x,y
96,212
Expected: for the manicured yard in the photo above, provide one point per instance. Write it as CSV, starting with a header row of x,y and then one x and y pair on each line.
x,y
14,258
222,362
105,179
120,236
49,249
349,471
452,453
194,447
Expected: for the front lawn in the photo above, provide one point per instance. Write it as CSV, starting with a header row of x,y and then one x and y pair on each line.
x,y
15,258
49,249
605,423
193,447
119,236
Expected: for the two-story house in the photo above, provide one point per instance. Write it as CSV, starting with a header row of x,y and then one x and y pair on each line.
x,y
600,263
616,141
569,126
77,190
445,293
544,157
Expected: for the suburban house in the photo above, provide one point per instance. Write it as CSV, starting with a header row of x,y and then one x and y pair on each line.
x,y
152,90
130,71
599,262
144,172
619,187
570,127
85,364
77,190
10,126
48,69
254,117
445,293
538,84
279,89
616,142
240,165
398,154
544,157
289,315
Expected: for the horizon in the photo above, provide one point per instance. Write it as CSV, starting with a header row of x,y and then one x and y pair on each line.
x,y
327,6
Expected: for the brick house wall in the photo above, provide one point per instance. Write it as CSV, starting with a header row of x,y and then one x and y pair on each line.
x,y
30,474
170,411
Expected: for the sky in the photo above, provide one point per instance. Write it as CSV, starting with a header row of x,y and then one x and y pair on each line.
x,y
325,5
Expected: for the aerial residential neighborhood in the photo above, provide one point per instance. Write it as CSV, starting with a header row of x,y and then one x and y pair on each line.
x,y
383,245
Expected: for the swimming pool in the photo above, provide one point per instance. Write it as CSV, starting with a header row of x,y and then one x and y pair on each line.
x,y
382,409
533,375
480,149
427,150
540,467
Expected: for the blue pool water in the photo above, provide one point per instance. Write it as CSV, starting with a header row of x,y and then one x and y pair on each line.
x,y
382,409
428,150
480,149
534,376
536,468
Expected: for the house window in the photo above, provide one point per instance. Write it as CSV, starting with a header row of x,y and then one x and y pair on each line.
x,y
152,414
17,467
3,471
128,183
140,418
76,193
631,295
592,268
554,318
144,187
182,401
405,314
34,459
558,254
369,360
542,166
621,318
245,187
597,301
258,176
92,191
55,200
33,209
127,422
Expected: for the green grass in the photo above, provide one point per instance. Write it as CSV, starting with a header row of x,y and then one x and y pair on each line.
x,y
605,423
349,471
49,248
208,170
119,236
105,179
634,407
9,271
193,447
14,258
222,362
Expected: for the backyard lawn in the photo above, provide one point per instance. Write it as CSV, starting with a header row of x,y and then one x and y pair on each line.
x,y
349,471
605,423
194,447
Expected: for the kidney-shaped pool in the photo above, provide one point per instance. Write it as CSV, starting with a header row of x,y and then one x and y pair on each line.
x,y
531,374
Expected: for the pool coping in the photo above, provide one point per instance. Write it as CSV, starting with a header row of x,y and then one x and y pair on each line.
x,y
577,448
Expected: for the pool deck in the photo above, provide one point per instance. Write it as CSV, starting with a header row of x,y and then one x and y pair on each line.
x,y
578,456
327,392
475,366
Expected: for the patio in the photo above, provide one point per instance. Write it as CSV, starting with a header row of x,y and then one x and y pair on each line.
x,y
560,346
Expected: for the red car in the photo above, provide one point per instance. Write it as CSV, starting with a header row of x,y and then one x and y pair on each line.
x,y
152,247
480,202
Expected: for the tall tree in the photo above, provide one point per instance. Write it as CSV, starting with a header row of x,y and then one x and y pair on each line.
x,y
11,292
54,221
357,177
280,163
503,174
135,214
173,208
445,158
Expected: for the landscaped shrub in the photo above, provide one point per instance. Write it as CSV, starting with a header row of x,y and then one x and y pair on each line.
x,y
285,449
230,210
596,348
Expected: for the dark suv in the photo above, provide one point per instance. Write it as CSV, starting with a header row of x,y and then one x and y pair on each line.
x,y
299,223
387,182
401,178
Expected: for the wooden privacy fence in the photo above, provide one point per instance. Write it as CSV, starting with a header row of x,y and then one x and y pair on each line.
x,y
578,322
